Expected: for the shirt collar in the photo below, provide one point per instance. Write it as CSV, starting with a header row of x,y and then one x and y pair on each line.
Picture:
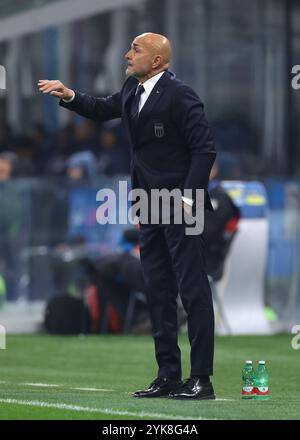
x,y
150,83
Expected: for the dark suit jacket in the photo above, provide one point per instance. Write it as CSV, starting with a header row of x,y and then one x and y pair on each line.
x,y
172,146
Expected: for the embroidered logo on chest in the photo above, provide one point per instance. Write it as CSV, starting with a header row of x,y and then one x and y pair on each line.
x,y
159,129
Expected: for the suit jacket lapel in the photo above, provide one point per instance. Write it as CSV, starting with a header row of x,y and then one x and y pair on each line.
x,y
154,95
152,100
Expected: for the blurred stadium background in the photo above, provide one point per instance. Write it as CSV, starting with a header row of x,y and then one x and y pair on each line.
x,y
238,56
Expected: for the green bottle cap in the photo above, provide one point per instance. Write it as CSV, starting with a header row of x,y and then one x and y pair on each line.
x,y
249,362
262,362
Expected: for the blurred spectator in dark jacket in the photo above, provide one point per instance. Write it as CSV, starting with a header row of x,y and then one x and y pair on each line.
x,y
81,166
8,165
117,277
85,137
10,224
6,136
42,147
223,220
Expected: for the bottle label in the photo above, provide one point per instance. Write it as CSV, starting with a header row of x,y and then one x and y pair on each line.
x,y
247,390
262,391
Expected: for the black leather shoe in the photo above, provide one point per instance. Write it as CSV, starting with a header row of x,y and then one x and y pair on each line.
x,y
193,389
161,386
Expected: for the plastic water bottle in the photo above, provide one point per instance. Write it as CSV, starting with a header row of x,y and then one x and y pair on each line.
x,y
261,382
248,381
2,291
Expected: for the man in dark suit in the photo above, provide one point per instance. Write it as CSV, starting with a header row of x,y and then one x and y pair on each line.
x,y
171,147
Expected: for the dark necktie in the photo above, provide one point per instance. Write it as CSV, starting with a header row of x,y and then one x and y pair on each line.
x,y
134,111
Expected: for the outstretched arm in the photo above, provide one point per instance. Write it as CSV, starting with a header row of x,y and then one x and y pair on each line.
x,y
99,109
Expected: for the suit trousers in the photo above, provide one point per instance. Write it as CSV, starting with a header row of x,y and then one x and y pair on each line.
x,y
172,263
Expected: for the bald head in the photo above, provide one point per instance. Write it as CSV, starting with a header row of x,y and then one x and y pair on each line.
x,y
149,54
157,44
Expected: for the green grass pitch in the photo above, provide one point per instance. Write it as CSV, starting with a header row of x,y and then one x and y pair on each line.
x,y
92,377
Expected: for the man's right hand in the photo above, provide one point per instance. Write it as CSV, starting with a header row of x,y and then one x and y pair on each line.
x,y
55,88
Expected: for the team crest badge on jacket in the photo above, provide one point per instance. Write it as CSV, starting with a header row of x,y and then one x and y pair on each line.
x,y
159,129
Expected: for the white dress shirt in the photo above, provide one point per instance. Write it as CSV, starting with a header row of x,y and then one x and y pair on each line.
x,y
148,87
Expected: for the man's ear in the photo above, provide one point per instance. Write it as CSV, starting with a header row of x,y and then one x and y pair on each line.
x,y
157,61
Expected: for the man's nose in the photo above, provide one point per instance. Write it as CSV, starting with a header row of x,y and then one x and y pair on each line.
x,y
127,56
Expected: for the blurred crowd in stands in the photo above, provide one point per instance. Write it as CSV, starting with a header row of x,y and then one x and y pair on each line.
x,y
77,151
83,150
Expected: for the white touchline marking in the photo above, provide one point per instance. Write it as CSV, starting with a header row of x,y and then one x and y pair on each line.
x,y
42,385
89,389
53,385
226,400
110,411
